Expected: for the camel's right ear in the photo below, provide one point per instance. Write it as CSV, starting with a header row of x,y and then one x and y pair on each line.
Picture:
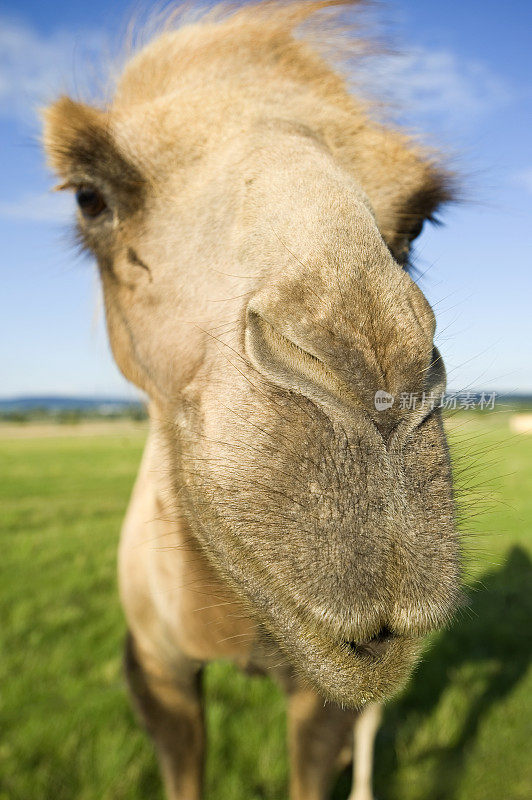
x,y
81,147
75,137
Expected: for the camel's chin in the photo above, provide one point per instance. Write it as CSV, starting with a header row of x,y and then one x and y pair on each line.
x,y
353,676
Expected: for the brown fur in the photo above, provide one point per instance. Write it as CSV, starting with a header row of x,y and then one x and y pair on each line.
x,y
249,252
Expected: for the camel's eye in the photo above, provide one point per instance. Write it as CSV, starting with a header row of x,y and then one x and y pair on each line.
x,y
90,201
416,231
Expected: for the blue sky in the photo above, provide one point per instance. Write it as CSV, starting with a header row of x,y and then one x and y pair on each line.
x,y
462,76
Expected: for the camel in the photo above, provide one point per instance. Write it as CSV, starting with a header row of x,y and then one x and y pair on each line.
x,y
252,223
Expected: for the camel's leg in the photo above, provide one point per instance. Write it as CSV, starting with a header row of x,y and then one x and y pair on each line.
x,y
169,705
366,726
317,733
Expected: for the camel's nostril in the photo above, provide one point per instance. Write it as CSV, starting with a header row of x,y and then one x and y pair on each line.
x,y
374,646
294,365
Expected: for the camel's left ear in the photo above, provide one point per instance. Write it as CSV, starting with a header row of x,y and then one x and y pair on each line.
x,y
436,188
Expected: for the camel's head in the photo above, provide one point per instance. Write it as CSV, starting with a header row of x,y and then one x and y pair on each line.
x,y
250,225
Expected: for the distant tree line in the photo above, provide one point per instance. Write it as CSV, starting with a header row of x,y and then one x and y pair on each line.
x,y
73,415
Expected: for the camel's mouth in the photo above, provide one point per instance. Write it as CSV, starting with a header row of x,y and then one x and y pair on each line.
x,y
354,672
376,646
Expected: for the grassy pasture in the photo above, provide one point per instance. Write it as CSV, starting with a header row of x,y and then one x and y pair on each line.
x,y
460,731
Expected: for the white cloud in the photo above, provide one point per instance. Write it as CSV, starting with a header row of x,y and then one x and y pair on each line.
x,y
34,67
39,207
524,179
437,86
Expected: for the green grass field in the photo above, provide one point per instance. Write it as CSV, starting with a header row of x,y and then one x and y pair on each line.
x,y
460,731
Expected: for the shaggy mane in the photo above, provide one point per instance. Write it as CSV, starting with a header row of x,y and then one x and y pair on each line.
x,y
291,37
